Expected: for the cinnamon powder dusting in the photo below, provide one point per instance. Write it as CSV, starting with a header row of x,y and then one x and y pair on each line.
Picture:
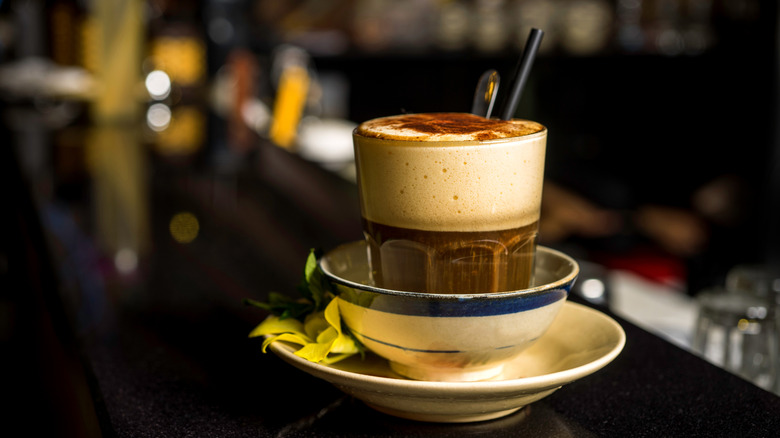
x,y
445,126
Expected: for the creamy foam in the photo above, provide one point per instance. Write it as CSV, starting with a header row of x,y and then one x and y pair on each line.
x,y
445,127
418,177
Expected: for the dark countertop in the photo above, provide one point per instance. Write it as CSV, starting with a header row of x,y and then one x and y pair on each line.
x,y
162,349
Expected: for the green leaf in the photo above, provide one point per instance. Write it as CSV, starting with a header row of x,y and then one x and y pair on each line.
x,y
311,265
314,286
308,271
318,292
283,306
317,326
260,304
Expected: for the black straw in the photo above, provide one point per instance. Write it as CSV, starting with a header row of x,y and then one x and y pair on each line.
x,y
521,74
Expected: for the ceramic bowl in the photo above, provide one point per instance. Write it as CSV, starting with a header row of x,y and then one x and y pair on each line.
x,y
437,337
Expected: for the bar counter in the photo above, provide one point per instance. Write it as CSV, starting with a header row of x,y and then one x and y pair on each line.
x,y
132,266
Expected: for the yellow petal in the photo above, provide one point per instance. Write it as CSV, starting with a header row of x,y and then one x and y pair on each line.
x,y
332,315
328,336
344,344
314,352
333,358
331,344
273,326
287,337
315,323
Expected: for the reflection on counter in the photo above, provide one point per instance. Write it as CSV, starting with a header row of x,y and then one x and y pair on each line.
x,y
117,166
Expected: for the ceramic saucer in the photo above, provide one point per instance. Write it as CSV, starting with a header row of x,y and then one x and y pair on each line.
x,y
580,341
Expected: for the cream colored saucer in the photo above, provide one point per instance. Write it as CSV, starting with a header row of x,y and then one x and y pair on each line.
x,y
580,342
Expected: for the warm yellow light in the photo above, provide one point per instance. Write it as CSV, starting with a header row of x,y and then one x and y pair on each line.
x,y
289,104
184,227
184,134
183,58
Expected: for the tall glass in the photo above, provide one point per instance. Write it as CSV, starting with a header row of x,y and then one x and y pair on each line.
x,y
450,202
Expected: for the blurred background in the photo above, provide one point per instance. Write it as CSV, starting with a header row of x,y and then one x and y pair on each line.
x,y
663,147
663,143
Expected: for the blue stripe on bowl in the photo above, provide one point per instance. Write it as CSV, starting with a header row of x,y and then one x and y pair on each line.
x,y
452,306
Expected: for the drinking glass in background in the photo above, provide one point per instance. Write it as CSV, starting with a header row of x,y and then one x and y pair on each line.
x,y
760,281
737,327
450,202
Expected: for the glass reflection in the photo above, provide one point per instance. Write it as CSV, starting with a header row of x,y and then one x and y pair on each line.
x,y
117,165
158,117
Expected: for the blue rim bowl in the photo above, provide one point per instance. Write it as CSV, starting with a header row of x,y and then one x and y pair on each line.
x,y
447,337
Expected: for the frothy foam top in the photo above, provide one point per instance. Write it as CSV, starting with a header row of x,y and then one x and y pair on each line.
x,y
445,127
444,186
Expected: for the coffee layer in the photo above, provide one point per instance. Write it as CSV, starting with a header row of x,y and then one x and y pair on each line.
x,y
445,127
451,186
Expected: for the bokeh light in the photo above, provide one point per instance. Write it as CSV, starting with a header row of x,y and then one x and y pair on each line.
x,y
158,84
158,117
126,260
184,227
593,288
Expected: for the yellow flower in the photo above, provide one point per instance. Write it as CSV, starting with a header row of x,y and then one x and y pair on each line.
x,y
320,335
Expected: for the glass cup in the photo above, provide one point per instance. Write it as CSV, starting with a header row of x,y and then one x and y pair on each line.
x,y
761,281
450,202
738,332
